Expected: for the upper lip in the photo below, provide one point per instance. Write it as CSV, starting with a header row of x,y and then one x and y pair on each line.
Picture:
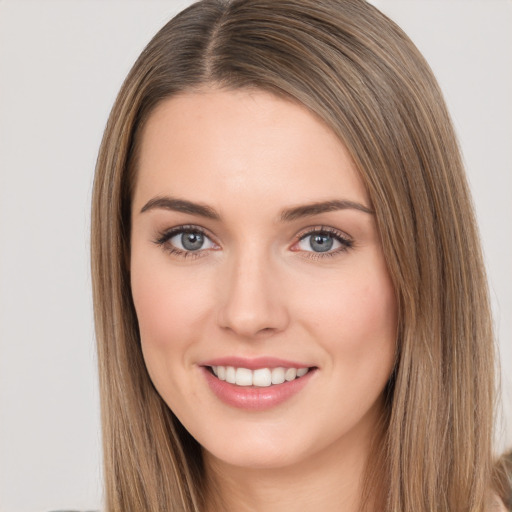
x,y
254,363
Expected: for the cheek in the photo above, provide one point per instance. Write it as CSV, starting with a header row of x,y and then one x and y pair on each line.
x,y
355,316
170,307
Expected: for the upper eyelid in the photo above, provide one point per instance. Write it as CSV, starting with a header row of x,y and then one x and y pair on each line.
x,y
323,229
167,234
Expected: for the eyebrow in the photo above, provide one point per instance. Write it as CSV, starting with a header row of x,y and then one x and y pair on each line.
x,y
287,215
180,205
308,210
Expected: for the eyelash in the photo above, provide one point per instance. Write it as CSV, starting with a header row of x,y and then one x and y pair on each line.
x,y
164,237
345,242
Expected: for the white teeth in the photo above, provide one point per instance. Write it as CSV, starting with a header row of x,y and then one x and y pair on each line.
x,y
262,377
302,371
290,374
277,375
243,377
230,375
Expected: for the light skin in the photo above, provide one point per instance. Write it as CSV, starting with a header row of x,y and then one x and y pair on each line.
x,y
268,275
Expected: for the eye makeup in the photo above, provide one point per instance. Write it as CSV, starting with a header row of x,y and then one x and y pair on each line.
x,y
187,241
322,241
192,241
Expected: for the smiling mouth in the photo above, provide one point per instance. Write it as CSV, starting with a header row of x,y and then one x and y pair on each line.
x,y
261,377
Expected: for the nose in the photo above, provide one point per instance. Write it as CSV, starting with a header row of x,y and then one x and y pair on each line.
x,y
253,302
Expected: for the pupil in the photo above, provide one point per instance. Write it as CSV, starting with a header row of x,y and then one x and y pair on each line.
x,y
321,243
192,241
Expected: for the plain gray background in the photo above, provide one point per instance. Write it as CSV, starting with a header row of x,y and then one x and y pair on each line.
x,y
61,65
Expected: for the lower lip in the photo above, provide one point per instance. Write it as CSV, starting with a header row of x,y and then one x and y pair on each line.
x,y
255,398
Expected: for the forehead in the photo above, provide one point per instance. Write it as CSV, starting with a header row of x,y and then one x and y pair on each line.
x,y
219,144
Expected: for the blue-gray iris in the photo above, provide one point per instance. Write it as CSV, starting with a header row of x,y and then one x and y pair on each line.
x,y
321,243
192,241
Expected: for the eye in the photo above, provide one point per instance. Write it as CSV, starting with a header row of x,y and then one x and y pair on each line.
x,y
323,241
191,241
185,241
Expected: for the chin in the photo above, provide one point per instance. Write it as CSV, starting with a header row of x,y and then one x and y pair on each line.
x,y
255,455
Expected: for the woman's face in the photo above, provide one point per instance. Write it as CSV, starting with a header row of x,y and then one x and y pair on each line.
x,y
267,316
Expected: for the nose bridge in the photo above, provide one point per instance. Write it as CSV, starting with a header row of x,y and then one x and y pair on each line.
x,y
252,303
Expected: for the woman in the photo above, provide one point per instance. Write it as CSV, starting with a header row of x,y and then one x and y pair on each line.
x,y
290,299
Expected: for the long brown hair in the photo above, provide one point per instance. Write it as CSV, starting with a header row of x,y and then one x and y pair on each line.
x,y
358,72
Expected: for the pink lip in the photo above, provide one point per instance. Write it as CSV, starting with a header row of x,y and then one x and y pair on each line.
x,y
254,363
254,398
